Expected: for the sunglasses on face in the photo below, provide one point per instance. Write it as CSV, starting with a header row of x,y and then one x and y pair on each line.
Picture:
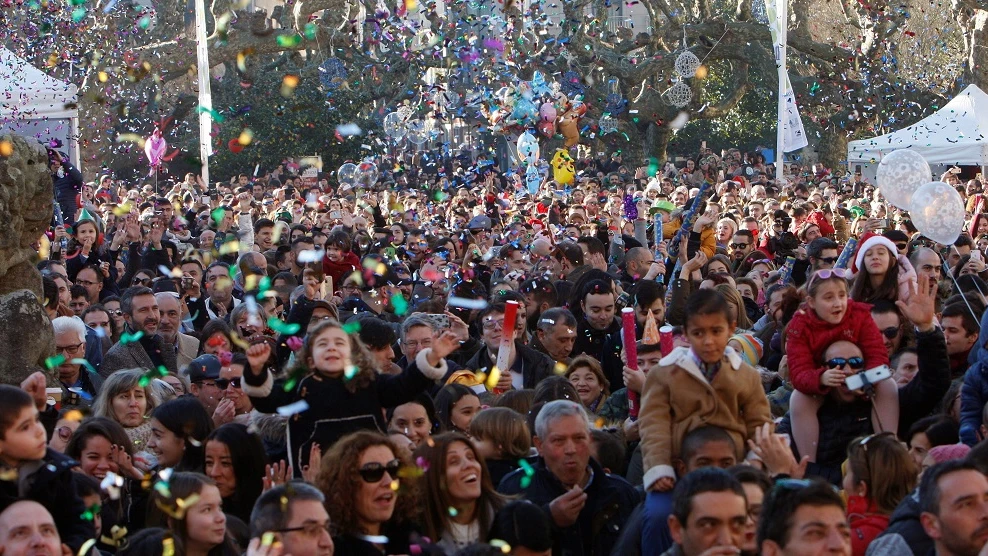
x,y
374,472
222,383
828,260
739,246
853,362
891,332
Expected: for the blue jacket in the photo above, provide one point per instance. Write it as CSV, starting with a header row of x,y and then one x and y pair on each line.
x,y
974,395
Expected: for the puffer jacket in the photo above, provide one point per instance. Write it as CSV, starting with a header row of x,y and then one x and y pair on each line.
x,y
905,534
866,523
840,423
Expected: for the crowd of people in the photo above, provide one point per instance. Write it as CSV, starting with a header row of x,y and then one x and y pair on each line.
x,y
438,361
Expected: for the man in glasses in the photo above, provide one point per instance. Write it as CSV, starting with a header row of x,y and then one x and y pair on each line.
x,y
296,514
80,384
526,366
742,244
822,253
140,345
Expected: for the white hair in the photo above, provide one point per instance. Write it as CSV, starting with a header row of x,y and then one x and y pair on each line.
x,y
70,324
555,410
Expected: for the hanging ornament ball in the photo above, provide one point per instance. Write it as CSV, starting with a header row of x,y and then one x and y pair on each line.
x,y
679,95
701,72
687,64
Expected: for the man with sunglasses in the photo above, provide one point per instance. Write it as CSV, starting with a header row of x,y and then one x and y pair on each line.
x,y
742,244
822,253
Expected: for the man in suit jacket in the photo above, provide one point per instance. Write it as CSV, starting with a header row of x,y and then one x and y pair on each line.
x,y
140,345
186,347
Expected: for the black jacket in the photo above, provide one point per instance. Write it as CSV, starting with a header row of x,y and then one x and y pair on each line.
x,y
591,341
840,423
610,501
534,365
920,397
52,484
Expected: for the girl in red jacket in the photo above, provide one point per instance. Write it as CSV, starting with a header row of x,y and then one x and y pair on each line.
x,y
829,315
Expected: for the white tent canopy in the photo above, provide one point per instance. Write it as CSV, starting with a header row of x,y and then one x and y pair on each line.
x,y
35,104
955,134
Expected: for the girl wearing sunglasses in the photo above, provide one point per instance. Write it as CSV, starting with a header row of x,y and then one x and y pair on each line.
x,y
829,315
365,497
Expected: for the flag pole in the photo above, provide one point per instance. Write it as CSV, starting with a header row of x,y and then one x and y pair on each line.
x,y
205,95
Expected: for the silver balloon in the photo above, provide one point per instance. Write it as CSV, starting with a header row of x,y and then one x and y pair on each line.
x,y
367,174
938,212
418,132
394,125
900,173
348,173
528,148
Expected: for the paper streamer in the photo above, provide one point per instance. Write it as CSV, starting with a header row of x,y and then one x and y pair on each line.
x,y
478,304
507,337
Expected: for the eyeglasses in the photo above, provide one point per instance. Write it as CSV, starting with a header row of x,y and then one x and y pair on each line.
x,y
901,246
413,345
891,332
222,383
374,472
853,362
311,529
739,246
115,312
139,280
86,283
499,325
70,349
828,260
64,433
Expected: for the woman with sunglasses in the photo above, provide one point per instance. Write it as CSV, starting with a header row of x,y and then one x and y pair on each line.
x,y
458,498
878,474
365,497
829,315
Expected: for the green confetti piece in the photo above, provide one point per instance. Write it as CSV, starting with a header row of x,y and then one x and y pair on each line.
x,y
290,383
264,285
350,371
289,41
352,327
126,338
54,361
216,116
84,363
78,15
281,327
310,31
217,215
399,304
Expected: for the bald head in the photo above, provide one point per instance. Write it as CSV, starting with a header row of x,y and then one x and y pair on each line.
x,y
927,261
541,247
637,261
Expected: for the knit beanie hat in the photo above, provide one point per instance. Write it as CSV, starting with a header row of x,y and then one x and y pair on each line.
x,y
869,240
750,348
949,452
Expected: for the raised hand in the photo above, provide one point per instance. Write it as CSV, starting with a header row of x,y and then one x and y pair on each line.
x,y
35,385
922,303
311,471
276,474
258,355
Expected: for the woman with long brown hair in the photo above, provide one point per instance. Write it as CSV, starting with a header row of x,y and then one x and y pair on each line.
x,y
459,500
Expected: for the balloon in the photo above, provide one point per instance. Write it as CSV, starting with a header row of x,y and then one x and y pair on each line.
x,y
348,173
394,125
547,128
900,173
154,149
569,122
938,212
235,146
367,174
528,148
533,179
418,132
548,112
563,169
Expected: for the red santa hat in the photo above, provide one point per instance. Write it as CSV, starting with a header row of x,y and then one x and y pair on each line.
x,y
869,240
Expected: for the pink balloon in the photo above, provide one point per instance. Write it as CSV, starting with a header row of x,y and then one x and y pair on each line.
x,y
548,112
154,148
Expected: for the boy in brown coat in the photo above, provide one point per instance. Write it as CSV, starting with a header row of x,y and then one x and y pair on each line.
x,y
706,384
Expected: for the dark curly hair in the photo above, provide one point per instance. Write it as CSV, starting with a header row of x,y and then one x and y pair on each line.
x,y
339,481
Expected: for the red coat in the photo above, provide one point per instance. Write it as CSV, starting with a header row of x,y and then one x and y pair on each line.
x,y
339,271
866,523
808,336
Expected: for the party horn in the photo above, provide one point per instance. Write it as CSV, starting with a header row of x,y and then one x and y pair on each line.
x,y
507,337
847,253
631,354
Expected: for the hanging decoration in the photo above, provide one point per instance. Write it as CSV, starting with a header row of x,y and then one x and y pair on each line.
x,y
679,95
687,63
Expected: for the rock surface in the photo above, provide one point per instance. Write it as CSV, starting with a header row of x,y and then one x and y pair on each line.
x,y
26,206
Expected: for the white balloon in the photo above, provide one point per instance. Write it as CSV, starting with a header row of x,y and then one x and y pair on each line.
x,y
418,132
348,173
528,148
394,125
938,212
900,173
